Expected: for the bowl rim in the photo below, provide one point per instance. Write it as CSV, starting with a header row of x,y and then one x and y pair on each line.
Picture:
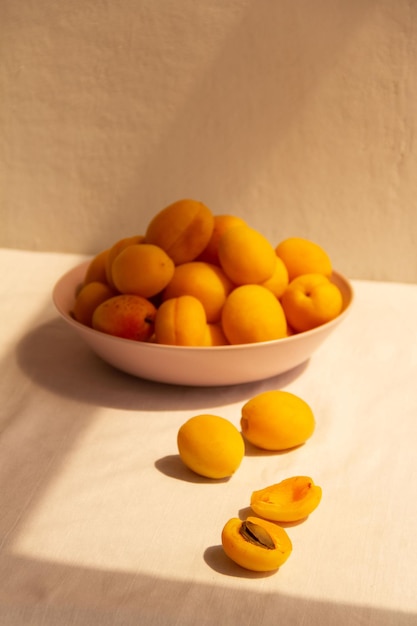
x,y
348,295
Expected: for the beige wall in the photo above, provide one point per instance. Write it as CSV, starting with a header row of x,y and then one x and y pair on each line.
x,y
300,116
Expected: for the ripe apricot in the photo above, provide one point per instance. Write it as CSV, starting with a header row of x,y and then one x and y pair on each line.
x,y
182,229
311,300
215,336
88,298
252,313
210,446
277,420
205,281
96,270
279,279
126,315
302,256
181,321
245,255
256,544
115,249
291,500
222,223
142,269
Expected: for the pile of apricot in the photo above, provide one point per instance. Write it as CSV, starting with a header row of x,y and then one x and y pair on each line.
x,y
198,279
213,447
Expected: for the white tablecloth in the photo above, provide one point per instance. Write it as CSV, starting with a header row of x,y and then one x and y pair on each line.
x,y
100,524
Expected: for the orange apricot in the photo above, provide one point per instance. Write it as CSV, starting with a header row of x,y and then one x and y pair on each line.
x,y
311,300
96,270
277,420
205,281
126,315
256,544
88,298
222,223
291,500
142,269
181,321
278,282
252,313
210,446
246,256
115,249
182,229
302,256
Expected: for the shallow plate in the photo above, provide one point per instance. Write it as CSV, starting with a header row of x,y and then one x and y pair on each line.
x,y
197,366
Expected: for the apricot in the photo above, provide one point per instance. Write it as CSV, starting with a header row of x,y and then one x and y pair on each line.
x,y
222,223
311,300
215,336
126,315
291,500
277,420
252,313
278,282
96,270
183,229
88,298
210,446
181,321
302,256
115,249
205,281
246,256
256,544
142,269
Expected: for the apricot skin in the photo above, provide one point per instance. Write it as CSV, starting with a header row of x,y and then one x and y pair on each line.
x,y
183,229
277,420
253,557
127,316
181,321
88,299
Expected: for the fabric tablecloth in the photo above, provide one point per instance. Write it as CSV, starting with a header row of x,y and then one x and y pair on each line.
x,y
101,524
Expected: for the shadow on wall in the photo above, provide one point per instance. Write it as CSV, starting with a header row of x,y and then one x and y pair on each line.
x,y
220,151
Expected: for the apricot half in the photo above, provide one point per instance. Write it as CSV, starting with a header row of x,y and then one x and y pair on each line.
x,y
277,420
256,544
291,500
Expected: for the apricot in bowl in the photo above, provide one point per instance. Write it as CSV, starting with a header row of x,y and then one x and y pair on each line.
x,y
207,365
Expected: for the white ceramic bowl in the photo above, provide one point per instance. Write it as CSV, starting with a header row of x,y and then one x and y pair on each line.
x,y
197,366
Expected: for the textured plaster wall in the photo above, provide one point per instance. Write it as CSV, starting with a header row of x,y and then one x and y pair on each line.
x,y
299,116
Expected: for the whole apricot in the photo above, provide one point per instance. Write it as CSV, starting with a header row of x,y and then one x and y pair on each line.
x,y
291,500
256,544
252,313
311,300
215,336
205,281
277,420
182,229
142,269
181,321
279,279
115,249
246,256
96,270
210,446
126,315
88,298
222,223
302,256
